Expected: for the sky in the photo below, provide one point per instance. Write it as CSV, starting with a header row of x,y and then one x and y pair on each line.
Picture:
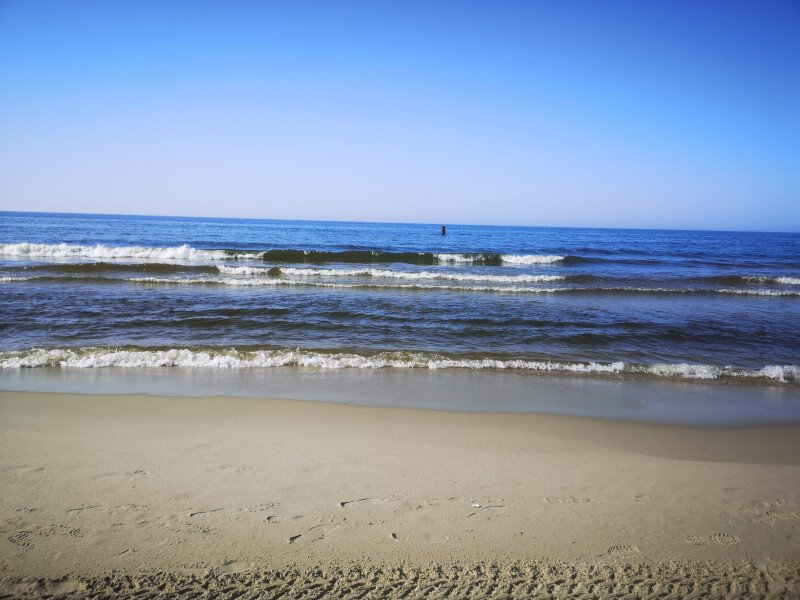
x,y
670,114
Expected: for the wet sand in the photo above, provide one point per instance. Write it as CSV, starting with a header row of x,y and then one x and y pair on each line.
x,y
141,495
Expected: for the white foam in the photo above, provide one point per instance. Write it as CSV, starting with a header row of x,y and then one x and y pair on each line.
x,y
242,270
512,289
388,274
780,372
99,251
92,358
759,292
531,259
514,259
458,258
765,279
278,282
684,371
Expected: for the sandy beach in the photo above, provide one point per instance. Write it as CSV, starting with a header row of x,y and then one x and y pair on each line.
x,y
125,495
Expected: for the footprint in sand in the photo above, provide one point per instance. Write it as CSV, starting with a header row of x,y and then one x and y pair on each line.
x,y
569,500
200,513
21,538
769,517
779,514
373,501
724,538
697,540
82,508
623,551
344,503
235,469
322,530
22,469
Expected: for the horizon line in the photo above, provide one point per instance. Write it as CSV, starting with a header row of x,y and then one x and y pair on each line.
x,y
431,223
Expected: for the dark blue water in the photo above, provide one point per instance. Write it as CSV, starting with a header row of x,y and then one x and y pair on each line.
x,y
91,291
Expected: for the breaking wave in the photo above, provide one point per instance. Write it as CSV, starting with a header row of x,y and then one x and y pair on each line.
x,y
497,259
751,279
188,253
274,280
231,358
99,251
99,268
385,273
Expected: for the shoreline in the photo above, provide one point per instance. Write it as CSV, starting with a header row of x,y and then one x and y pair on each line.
x,y
222,487
680,403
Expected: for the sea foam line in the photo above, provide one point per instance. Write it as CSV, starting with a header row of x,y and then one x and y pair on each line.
x,y
513,289
275,282
99,251
231,358
386,273
188,253
766,279
514,259
788,280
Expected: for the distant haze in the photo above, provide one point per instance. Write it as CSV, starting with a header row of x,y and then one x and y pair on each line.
x,y
608,114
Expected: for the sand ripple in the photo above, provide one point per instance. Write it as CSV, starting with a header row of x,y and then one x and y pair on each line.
x,y
672,580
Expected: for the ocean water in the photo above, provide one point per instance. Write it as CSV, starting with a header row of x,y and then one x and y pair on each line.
x,y
90,291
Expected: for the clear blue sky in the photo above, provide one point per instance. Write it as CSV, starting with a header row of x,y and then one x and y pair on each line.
x,y
614,114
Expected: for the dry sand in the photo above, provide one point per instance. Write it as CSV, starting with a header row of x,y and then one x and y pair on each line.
x,y
142,496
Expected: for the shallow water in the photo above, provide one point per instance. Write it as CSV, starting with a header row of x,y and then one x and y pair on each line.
x,y
658,401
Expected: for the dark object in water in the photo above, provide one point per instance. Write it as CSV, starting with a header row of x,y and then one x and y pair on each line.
x,y
444,230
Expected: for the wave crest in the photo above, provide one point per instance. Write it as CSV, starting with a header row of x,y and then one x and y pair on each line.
x,y
497,259
99,251
385,273
231,358
274,280
188,253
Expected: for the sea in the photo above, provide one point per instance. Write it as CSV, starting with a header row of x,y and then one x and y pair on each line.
x,y
483,318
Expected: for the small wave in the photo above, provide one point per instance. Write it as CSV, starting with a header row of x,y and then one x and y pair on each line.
x,y
276,281
188,253
514,289
531,259
99,268
414,258
788,280
497,259
250,271
99,251
759,292
231,358
750,279
460,258
387,274
348,256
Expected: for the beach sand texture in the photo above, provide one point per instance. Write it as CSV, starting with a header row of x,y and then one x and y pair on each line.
x,y
144,496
